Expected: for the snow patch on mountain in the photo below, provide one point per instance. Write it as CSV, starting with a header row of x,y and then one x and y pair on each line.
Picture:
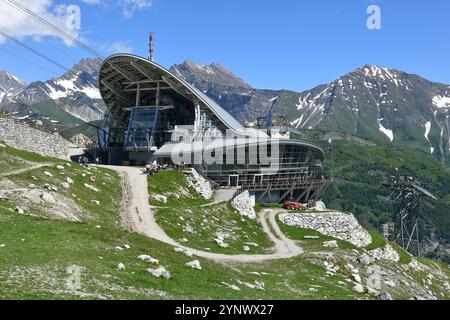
x,y
387,132
441,101
427,130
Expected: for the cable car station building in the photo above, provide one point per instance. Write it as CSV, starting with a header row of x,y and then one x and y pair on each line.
x,y
154,115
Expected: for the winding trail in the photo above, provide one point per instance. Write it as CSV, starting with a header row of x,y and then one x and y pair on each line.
x,y
142,220
22,170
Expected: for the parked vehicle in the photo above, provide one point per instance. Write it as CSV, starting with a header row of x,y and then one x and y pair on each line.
x,y
292,205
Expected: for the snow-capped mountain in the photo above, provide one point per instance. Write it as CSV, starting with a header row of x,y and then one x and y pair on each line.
x,y
373,102
381,103
65,100
10,85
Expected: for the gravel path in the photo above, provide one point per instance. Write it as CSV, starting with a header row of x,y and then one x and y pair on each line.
x,y
19,171
142,220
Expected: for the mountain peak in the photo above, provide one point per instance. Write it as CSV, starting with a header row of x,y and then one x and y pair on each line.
x,y
214,73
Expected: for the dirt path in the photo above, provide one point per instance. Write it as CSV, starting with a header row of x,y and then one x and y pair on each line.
x,y
22,170
142,220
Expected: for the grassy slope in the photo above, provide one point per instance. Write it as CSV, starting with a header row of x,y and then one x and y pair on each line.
x,y
38,251
188,208
360,171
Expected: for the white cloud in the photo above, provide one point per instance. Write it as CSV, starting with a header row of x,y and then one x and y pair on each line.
x,y
20,25
116,47
129,7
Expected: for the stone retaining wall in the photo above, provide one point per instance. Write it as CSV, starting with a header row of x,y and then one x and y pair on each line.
x,y
21,136
335,224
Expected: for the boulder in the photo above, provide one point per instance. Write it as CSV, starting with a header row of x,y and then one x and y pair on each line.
x,y
231,286
120,267
159,272
48,174
147,258
330,244
69,180
358,288
384,296
195,264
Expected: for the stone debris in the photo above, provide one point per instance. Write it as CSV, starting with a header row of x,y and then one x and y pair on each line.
x,y
159,272
2,245
19,210
91,187
194,265
358,288
365,259
231,286
181,250
65,185
385,253
126,246
60,167
243,205
47,197
258,285
120,267
330,244
48,174
119,248
96,202
200,184
69,180
246,248
147,258
159,198
335,224
188,229
50,187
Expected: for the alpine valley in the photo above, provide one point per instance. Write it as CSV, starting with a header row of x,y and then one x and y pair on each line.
x,y
380,119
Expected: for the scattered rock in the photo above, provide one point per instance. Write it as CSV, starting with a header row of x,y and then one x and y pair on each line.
x,y
19,210
120,267
246,248
2,145
194,265
330,244
48,174
258,285
384,296
126,246
356,277
147,258
159,272
365,259
159,197
231,286
69,180
65,185
60,167
91,187
385,253
96,202
358,288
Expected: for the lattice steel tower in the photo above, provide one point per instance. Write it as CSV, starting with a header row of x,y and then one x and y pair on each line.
x,y
406,194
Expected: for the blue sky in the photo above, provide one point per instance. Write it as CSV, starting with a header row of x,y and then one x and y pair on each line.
x,y
286,44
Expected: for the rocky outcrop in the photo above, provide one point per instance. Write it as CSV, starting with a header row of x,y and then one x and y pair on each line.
x,y
243,205
335,224
200,184
22,136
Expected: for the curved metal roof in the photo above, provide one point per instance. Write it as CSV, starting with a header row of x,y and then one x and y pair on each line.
x,y
121,70
125,68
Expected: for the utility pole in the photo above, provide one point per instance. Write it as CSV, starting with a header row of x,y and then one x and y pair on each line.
x,y
150,46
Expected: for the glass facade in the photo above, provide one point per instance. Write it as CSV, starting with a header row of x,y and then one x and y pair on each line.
x,y
141,128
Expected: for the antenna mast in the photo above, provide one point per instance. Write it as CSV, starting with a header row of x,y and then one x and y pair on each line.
x,y
150,46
